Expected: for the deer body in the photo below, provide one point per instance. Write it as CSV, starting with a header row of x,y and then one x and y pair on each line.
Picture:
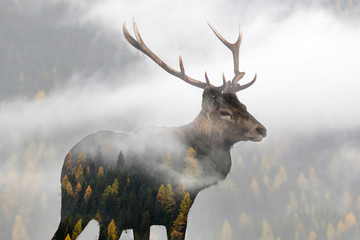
x,y
152,176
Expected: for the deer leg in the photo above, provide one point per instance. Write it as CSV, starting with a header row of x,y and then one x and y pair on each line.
x,y
66,226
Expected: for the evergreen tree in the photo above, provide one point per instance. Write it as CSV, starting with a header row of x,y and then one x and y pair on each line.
x,y
77,229
185,204
169,203
120,161
81,158
178,227
69,189
100,172
267,233
226,231
67,163
79,176
88,193
112,231
64,181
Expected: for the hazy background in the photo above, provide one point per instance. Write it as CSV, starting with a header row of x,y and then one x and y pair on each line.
x,y
67,71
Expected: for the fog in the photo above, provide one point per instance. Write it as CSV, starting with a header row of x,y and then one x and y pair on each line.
x,y
306,57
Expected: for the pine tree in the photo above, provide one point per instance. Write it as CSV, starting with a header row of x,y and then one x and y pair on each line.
x,y
267,233
120,161
178,227
226,231
69,189
169,199
161,193
166,162
112,231
77,191
64,181
300,233
302,182
145,222
100,172
81,158
255,187
67,163
88,193
19,231
185,204
191,164
181,189
181,220
79,176
77,229
115,187
330,232
88,172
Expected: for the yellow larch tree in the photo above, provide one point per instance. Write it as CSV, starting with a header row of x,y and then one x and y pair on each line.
x,y
226,231
112,231
77,229
88,193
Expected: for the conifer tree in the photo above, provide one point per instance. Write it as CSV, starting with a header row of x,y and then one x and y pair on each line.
x,y
112,231
69,189
120,161
67,163
330,232
300,233
169,203
115,187
161,193
77,191
77,229
79,176
178,227
267,233
226,231
81,158
88,193
100,172
64,181
255,187
185,204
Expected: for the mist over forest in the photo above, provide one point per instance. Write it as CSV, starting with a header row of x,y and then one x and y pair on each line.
x,y
67,71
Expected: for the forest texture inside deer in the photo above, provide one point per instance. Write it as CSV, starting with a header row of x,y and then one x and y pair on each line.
x,y
153,175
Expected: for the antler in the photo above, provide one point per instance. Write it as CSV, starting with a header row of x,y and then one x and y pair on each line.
x,y
140,45
233,86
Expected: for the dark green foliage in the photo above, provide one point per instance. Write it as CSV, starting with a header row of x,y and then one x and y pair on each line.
x,y
125,195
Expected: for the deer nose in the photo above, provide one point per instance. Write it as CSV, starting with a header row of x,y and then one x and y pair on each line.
x,y
261,130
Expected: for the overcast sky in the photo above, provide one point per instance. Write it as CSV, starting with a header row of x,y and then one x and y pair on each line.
x,y
306,58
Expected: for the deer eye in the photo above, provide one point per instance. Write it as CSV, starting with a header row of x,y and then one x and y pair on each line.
x,y
225,114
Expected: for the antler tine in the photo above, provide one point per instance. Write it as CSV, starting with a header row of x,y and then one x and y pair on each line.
x,y
139,44
234,48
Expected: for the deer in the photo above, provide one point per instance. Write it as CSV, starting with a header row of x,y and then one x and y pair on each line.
x,y
153,175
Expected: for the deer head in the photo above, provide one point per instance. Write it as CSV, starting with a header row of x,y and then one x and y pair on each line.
x,y
222,115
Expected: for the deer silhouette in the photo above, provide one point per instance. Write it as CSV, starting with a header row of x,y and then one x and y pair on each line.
x,y
152,176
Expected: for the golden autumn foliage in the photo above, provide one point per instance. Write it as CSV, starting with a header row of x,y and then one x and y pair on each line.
x,y
88,193
100,172
77,229
112,231
255,187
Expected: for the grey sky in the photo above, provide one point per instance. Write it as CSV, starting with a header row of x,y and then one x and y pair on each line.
x,y
306,58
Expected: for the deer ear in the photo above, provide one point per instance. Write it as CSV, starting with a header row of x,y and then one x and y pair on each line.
x,y
207,99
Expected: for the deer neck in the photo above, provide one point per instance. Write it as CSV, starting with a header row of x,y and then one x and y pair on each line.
x,y
204,137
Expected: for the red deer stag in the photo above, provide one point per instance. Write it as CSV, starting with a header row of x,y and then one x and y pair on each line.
x,y
152,176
